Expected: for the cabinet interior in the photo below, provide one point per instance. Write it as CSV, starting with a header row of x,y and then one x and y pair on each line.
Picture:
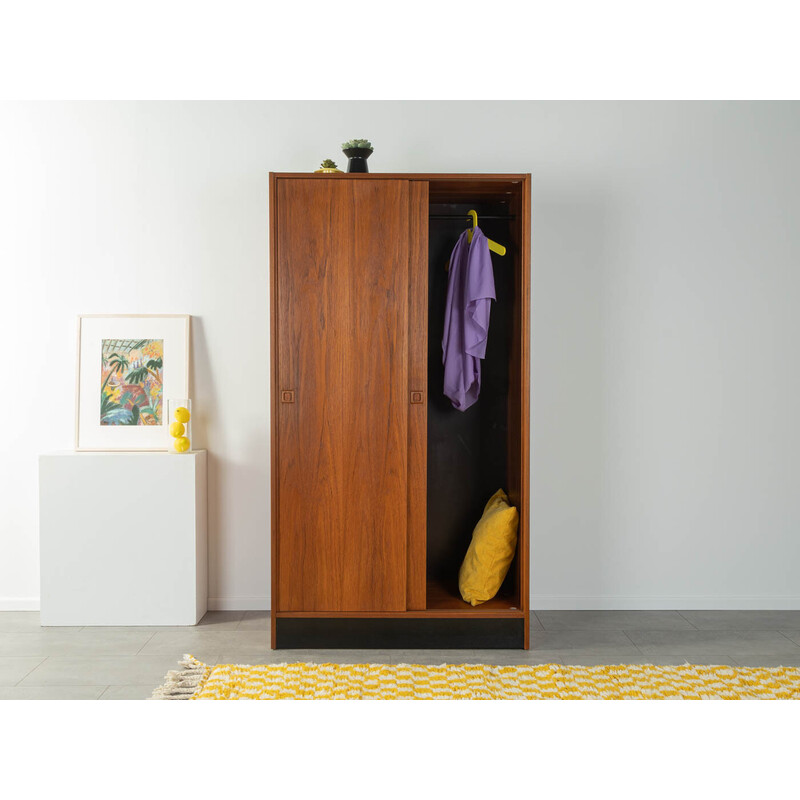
x,y
473,453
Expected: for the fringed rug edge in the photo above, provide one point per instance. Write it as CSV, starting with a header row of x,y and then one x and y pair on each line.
x,y
183,683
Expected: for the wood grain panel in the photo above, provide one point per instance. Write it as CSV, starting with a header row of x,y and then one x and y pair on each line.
x,y
273,384
524,392
417,382
342,272
518,395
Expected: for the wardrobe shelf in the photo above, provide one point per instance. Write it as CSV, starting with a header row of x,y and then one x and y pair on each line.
x,y
442,596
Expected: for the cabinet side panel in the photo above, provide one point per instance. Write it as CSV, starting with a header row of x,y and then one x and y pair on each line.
x,y
342,271
273,390
519,390
519,396
527,214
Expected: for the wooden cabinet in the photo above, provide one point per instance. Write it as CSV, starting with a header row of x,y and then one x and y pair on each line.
x,y
363,554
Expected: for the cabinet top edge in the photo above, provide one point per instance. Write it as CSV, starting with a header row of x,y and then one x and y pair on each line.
x,y
412,176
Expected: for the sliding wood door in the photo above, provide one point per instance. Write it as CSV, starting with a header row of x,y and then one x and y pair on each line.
x,y
342,384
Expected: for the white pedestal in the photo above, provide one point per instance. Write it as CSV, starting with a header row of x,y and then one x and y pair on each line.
x,y
123,538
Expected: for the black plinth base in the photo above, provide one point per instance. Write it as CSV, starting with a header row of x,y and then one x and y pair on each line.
x,y
304,633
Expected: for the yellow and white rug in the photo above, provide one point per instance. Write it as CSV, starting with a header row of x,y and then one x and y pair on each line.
x,y
198,681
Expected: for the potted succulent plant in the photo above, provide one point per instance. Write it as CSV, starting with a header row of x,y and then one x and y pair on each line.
x,y
357,152
328,166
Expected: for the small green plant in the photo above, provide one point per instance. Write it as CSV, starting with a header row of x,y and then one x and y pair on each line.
x,y
362,144
328,164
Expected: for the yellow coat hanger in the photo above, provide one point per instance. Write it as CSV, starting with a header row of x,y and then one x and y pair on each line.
x,y
493,246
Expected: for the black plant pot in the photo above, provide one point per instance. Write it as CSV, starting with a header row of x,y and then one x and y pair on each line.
x,y
357,158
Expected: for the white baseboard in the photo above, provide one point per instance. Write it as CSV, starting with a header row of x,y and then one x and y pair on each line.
x,y
19,603
691,602
257,603
539,602
247,603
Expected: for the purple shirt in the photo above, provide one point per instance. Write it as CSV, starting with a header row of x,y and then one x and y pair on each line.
x,y
470,288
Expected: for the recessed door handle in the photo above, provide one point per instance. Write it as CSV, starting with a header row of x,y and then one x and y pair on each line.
x,y
287,396
417,397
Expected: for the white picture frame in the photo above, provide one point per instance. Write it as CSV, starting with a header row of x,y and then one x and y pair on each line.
x,y
170,335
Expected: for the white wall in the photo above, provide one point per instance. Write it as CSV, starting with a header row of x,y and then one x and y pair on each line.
x,y
666,275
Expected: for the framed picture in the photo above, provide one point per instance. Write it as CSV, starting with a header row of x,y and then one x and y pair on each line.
x,y
128,365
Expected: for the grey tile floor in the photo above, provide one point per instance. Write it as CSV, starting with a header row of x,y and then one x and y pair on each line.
x,y
128,663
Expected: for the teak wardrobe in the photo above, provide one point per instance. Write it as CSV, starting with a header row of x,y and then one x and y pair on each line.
x,y
377,482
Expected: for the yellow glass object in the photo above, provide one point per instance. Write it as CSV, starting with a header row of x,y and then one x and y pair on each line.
x,y
179,410
181,444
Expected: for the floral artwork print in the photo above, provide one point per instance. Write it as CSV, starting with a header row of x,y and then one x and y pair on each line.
x,y
132,376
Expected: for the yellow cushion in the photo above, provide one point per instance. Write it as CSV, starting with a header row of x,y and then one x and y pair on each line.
x,y
494,542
